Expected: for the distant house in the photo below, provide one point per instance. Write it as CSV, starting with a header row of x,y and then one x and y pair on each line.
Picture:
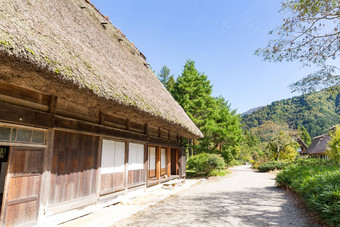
x,y
83,120
319,146
303,146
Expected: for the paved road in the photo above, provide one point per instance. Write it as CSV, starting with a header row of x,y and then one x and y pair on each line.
x,y
244,198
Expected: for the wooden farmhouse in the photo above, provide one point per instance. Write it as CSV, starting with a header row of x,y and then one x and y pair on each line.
x,y
83,121
318,148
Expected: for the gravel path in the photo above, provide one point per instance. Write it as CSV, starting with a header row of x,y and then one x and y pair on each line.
x,y
244,198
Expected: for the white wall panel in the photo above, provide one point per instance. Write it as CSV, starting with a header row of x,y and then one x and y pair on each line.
x,y
163,157
136,156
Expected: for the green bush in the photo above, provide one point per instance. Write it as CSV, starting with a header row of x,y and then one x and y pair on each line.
x,y
270,166
204,164
236,163
318,183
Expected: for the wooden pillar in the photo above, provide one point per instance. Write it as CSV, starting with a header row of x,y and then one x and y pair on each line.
x,y
177,164
158,163
168,161
99,165
126,172
46,176
146,158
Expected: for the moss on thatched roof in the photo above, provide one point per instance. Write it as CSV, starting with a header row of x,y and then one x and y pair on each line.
x,y
72,40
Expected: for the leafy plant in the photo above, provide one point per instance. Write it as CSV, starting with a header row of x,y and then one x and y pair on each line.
x,y
318,182
270,166
205,164
333,150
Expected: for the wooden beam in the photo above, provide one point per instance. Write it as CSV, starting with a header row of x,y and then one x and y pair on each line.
x,y
146,129
127,124
22,115
53,104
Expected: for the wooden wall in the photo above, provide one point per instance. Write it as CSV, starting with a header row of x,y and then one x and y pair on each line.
x,y
74,166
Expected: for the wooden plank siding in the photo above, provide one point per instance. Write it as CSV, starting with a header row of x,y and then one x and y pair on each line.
x,y
74,166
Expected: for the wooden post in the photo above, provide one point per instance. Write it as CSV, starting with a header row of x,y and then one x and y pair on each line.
x,y
146,158
177,166
158,163
99,161
46,176
126,172
168,161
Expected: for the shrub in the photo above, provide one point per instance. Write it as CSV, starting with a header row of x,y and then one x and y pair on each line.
x,y
236,163
270,166
318,183
204,164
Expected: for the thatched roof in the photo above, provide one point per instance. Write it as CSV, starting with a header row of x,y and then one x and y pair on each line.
x,y
319,145
70,41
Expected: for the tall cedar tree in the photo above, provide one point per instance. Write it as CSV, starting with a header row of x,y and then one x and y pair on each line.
x,y
221,127
192,91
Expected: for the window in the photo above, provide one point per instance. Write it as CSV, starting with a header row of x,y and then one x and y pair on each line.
x,y
22,135
136,156
113,156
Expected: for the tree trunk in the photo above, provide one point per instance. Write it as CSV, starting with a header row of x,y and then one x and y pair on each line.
x,y
278,153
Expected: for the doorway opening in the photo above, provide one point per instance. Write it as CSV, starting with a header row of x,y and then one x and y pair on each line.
x,y
4,151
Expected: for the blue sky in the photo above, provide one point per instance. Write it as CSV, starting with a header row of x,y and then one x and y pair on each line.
x,y
219,35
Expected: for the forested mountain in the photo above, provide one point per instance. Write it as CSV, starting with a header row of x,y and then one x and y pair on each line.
x,y
317,112
251,110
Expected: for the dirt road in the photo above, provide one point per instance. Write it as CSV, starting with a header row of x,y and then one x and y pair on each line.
x,y
244,198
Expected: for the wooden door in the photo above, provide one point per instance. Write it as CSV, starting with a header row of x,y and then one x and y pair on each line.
x,y
21,201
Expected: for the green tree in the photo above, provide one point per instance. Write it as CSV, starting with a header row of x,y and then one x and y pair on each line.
x,y
310,33
171,83
333,150
282,142
304,135
222,131
166,79
192,91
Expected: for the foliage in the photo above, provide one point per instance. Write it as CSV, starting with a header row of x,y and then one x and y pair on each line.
x,y
318,183
220,125
302,132
236,163
333,150
192,91
310,33
165,78
317,112
283,143
222,131
270,166
204,164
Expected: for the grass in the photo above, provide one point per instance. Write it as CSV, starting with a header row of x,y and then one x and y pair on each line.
x,y
317,181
